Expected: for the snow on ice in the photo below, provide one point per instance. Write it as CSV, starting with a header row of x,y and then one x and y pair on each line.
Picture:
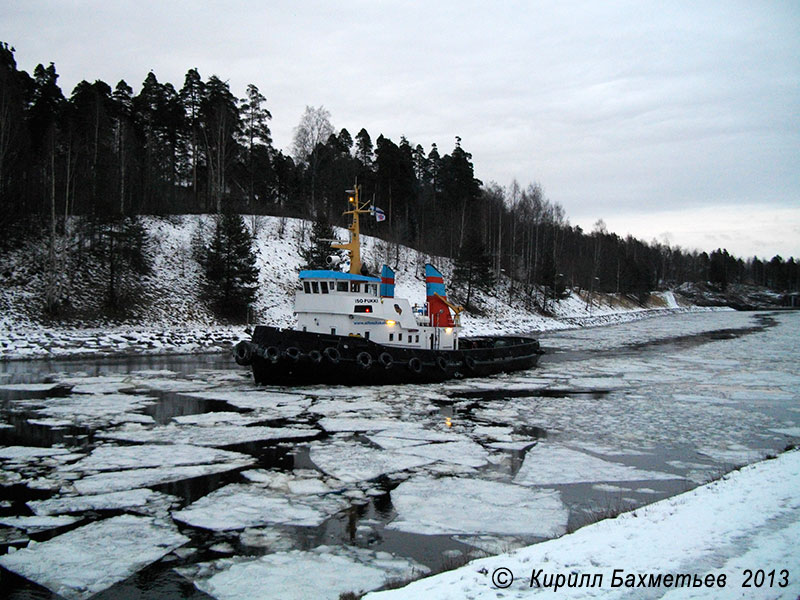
x,y
87,560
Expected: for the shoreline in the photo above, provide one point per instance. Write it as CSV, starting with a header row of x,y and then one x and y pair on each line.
x,y
744,521
125,341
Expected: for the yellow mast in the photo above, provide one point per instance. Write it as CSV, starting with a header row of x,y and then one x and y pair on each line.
x,y
354,245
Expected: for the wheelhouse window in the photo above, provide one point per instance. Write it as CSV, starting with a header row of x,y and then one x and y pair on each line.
x,y
355,287
323,286
307,287
315,287
341,286
331,285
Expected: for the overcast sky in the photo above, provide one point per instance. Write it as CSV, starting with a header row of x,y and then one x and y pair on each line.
x,y
671,120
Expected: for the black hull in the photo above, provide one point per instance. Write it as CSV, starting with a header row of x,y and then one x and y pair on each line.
x,y
289,357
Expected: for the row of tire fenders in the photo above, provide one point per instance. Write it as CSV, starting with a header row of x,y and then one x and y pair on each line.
x,y
363,359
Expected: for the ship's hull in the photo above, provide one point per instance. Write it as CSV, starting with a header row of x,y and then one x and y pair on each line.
x,y
290,357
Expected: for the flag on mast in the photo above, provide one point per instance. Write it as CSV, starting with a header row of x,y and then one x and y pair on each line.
x,y
379,214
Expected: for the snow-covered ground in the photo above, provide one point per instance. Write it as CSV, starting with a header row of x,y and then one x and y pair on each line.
x,y
173,320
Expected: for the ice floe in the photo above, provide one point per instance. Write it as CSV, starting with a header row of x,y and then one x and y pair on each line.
x,y
87,560
323,573
98,410
38,523
548,464
112,481
464,453
237,506
113,458
517,446
351,462
790,431
300,481
339,424
217,418
329,407
276,540
138,500
460,505
215,435
276,404
23,453
733,454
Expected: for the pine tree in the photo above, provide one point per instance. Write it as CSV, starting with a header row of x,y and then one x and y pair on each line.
x,y
319,247
229,267
473,268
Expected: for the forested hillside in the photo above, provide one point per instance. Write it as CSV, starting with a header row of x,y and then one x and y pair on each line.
x,y
79,171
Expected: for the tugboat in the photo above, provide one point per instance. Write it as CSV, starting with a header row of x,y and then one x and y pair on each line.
x,y
352,330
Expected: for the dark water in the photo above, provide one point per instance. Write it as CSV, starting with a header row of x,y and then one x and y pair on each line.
x,y
689,395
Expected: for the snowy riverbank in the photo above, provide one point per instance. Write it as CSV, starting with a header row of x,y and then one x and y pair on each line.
x,y
742,529
171,319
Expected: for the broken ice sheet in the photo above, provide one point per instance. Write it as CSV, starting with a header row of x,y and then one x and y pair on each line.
x,y
98,410
493,544
26,453
334,406
465,453
237,506
214,435
517,446
268,537
274,404
547,464
324,573
37,523
460,505
789,431
170,385
733,454
300,481
135,478
339,424
101,384
112,458
352,463
87,560
140,500
401,434
217,418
